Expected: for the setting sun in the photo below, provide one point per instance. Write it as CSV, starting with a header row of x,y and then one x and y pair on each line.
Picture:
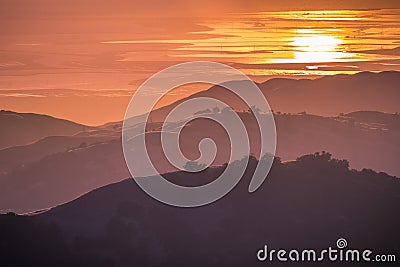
x,y
199,133
311,46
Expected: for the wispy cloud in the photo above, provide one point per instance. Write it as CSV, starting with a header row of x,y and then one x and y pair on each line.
x,y
66,93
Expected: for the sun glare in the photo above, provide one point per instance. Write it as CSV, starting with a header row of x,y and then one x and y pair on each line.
x,y
312,46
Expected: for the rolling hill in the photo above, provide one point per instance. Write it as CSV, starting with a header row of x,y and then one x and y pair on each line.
x,y
24,128
307,203
75,166
327,96
55,169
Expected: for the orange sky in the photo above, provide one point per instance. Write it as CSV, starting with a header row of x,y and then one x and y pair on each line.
x,y
82,60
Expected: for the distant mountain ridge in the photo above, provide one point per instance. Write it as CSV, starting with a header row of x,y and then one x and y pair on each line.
x,y
33,180
24,128
332,95
75,159
325,96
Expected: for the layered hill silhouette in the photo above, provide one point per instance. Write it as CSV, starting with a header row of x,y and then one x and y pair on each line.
x,y
62,176
48,161
326,96
18,156
306,201
25,128
304,204
33,180
332,95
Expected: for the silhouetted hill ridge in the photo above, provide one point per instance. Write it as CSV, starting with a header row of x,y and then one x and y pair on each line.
x,y
75,165
24,128
307,203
